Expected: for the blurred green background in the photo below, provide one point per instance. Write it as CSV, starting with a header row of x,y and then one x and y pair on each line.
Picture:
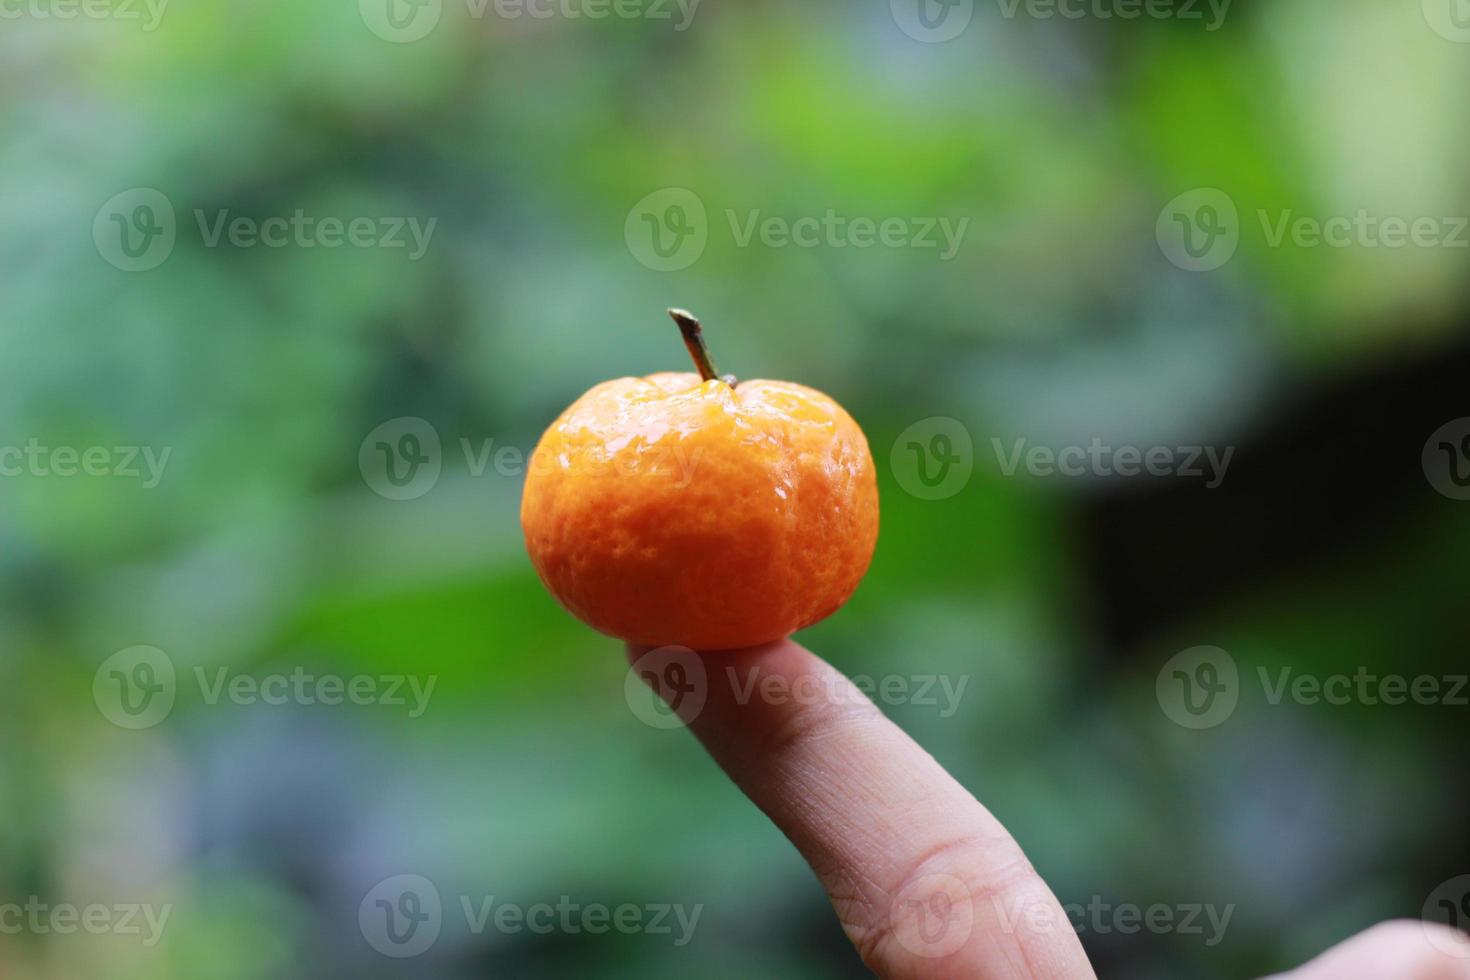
x,y
533,144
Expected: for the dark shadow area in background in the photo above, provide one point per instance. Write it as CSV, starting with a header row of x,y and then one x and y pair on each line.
x,y
1329,480
1331,473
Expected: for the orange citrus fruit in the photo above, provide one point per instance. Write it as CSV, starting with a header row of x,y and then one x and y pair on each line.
x,y
693,510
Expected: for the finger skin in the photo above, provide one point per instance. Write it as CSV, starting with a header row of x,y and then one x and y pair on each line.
x,y
1400,950
925,880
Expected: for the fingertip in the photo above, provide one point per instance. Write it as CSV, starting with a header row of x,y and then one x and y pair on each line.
x,y
633,651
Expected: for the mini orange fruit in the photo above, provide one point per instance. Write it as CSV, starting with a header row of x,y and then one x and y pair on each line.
x,y
694,510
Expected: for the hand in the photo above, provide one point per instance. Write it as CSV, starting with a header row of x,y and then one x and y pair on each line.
x,y
925,881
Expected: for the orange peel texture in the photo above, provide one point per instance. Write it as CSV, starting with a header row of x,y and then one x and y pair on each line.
x,y
669,510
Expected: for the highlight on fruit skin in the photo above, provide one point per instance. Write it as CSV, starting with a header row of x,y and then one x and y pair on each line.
x,y
700,511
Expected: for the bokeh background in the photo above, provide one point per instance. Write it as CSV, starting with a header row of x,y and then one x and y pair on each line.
x,y
270,543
